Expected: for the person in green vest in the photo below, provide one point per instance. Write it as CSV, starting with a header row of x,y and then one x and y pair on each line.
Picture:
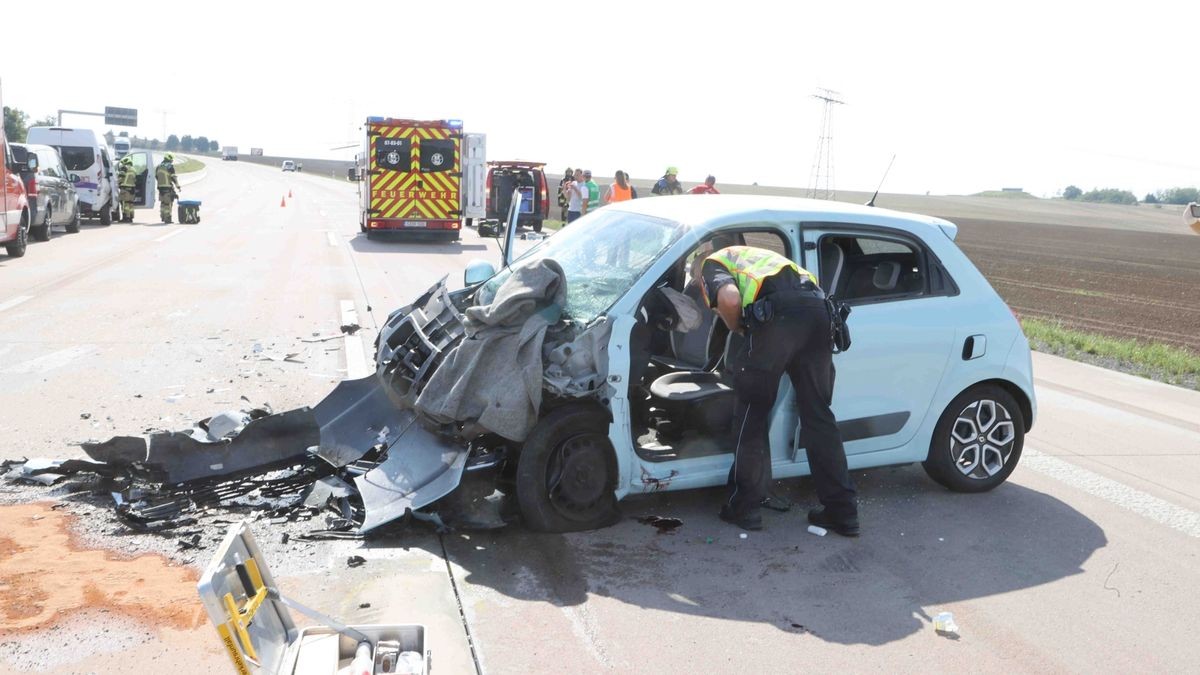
x,y
168,186
127,179
781,312
593,191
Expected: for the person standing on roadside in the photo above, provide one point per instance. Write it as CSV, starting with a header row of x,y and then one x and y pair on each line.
x,y
168,186
781,312
577,197
620,190
568,176
669,183
127,179
707,188
593,190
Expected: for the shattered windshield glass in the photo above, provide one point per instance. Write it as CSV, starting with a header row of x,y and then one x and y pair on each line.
x,y
602,256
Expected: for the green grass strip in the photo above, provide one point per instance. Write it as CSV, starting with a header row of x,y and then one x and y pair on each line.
x,y
1165,363
187,165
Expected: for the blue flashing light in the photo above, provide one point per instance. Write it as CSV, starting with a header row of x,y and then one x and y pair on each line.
x,y
457,124
373,119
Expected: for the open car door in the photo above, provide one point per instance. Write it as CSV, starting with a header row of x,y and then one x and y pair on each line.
x,y
510,230
146,188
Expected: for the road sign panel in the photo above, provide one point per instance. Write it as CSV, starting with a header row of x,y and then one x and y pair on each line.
x,y
125,117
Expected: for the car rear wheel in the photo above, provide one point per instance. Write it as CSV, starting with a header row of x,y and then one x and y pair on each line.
x,y
17,248
73,223
977,441
106,214
42,233
567,473
537,226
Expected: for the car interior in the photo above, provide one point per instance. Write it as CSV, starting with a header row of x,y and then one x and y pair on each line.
x,y
681,394
505,179
860,268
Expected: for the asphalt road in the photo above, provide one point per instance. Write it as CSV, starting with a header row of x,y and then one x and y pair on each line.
x,y
1087,560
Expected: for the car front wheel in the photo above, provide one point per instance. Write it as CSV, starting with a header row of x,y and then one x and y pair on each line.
x,y
977,441
73,223
106,214
566,473
17,248
42,233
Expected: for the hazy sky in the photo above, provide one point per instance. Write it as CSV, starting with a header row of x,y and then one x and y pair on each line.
x,y
968,96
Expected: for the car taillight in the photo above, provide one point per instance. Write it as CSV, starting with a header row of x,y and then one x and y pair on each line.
x,y
31,187
487,189
545,196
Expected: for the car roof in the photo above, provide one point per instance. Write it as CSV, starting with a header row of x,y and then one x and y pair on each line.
x,y
698,210
68,133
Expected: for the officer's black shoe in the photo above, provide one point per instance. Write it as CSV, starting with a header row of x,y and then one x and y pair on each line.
x,y
746,521
847,526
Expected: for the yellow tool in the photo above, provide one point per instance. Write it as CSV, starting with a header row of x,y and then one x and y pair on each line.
x,y
240,617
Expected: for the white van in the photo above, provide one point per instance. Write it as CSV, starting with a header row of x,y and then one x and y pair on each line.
x,y
85,154
121,146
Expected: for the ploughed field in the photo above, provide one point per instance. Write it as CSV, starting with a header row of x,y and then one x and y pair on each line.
x,y
1122,283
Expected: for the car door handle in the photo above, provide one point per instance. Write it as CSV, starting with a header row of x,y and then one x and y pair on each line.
x,y
974,347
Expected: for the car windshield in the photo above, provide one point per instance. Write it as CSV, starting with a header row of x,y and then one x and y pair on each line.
x,y
76,158
602,255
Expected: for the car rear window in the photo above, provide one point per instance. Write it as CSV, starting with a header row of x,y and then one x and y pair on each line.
x,y
77,159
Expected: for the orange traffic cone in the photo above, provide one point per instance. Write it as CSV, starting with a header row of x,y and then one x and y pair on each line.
x,y
283,201
289,194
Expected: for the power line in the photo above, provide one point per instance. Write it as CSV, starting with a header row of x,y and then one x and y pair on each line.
x,y
821,177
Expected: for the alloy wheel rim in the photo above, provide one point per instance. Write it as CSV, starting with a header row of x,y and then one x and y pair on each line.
x,y
982,439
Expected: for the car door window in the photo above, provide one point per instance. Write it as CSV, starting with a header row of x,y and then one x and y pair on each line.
x,y
863,268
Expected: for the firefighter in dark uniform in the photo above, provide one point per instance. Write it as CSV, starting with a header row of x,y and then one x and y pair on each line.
x,y
781,312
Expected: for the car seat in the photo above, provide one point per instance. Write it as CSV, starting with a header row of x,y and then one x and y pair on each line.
x,y
692,350
833,261
698,400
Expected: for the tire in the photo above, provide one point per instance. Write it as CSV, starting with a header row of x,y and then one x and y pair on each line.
x,y
73,223
470,222
42,232
537,226
17,248
106,215
567,472
370,234
957,460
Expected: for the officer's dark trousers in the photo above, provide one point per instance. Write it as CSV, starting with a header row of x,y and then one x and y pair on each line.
x,y
795,342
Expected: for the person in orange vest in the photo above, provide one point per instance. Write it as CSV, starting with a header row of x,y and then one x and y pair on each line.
x,y
620,190
707,188
781,312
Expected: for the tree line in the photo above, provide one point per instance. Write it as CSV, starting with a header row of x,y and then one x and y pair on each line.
x,y
1175,195
16,128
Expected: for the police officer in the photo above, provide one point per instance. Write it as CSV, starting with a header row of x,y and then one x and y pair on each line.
x,y
127,179
168,185
781,312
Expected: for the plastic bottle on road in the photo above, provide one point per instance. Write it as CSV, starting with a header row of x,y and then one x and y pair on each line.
x,y
944,622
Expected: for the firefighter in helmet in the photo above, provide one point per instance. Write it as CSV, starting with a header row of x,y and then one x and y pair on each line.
x,y
168,186
127,179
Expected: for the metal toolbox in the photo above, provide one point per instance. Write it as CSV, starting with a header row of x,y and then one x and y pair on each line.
x,y
255,623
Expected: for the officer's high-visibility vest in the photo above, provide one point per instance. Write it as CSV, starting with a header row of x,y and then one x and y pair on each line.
x,y
749,266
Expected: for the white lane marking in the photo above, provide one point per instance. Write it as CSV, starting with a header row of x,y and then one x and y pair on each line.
x,y
356,357
331,237
51,361
1141,503
9,304
169,235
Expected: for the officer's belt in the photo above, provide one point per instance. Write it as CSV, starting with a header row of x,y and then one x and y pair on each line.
x,y
782,301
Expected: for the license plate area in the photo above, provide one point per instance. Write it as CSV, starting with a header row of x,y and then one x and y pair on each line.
x,y
415,223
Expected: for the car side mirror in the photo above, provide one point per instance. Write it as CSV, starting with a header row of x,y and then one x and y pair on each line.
x,y
32,163
477,272
352,174
75,178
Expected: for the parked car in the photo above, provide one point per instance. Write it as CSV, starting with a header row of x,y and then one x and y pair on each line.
x,y
85,154
50,189
14,205
530,178
939,371
289,165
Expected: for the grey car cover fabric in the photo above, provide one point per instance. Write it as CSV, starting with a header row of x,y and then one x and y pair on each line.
x,y
493,379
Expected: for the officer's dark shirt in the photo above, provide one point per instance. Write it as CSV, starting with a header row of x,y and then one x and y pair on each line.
x,y
715,276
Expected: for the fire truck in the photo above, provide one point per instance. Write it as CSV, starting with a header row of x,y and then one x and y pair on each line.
x,y
419,177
